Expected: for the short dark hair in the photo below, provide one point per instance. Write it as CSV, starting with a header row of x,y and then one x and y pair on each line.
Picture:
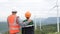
x,y
14,11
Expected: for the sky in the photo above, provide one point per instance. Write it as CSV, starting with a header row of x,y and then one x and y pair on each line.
x,y
38,8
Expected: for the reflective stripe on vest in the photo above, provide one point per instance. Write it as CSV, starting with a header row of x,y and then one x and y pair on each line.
x,y
14,22
14,29
28,26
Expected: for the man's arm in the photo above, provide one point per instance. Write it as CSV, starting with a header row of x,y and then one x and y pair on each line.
x,y
7,22
27,22
22,23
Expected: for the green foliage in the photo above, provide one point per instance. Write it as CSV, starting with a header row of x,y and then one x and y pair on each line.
x,y
6,32
47,29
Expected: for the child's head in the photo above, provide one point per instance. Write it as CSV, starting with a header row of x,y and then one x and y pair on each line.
x,y
27,15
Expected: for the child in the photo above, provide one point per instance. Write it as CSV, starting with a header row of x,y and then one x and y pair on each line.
x,y
29,27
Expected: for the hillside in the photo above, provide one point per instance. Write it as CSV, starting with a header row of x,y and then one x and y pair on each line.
x,y
46,21
46,29
3,26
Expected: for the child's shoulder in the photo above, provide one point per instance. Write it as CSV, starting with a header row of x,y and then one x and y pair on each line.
x,y
24,20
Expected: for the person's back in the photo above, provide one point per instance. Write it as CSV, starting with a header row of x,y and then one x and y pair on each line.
x,y
13,24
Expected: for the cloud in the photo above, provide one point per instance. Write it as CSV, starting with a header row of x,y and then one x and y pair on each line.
x,y
38,8
3,0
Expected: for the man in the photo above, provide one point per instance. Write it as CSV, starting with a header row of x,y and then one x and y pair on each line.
x,y
29,27
13,24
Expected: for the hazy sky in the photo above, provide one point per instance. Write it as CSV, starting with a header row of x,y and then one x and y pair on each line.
x,y
38,8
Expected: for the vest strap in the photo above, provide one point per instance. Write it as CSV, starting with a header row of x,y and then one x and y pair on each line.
x,y
14,24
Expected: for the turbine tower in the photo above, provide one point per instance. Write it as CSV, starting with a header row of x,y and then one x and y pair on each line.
x,y
56,6
40,23
57,16
35,22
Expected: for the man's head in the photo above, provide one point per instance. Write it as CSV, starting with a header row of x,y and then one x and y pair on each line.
x,y
27,14
14,12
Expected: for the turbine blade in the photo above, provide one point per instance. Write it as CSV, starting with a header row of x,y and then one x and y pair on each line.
x,y
53,7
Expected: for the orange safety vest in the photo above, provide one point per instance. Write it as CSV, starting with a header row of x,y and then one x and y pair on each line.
x,y
13,24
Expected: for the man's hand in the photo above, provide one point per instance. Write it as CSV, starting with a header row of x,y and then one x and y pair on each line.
x,y
17,16
29,20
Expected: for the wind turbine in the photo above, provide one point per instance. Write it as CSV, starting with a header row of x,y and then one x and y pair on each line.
x,y
35,22
40,22
56,6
